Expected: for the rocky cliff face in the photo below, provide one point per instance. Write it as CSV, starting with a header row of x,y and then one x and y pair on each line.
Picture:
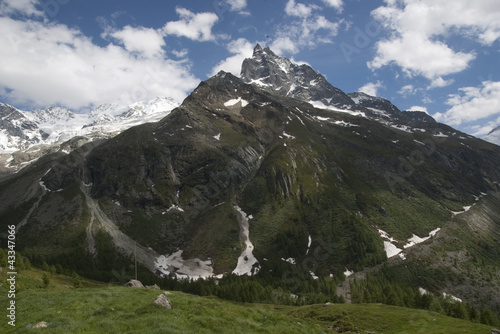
x,y
281,76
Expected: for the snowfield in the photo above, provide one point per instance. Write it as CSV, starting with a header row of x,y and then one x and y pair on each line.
x,y
392,250
247,263
187,269
233,102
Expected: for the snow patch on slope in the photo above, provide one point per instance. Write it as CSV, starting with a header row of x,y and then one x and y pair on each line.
x,y
184,269
392,250
247,263
321,105
415,239
348,272
233,102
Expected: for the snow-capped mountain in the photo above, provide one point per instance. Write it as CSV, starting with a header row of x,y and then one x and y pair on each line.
x,y
493,136
21,130
281,76
380,108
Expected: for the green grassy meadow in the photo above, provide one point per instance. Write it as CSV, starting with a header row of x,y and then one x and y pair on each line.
x,y
102,308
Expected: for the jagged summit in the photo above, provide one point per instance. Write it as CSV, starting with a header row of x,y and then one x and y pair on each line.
x,y
281,76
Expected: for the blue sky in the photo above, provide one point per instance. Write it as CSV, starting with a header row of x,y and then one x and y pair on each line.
x,y
440,56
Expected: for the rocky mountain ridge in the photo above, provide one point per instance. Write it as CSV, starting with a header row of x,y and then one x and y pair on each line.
x,y
20,130
28,135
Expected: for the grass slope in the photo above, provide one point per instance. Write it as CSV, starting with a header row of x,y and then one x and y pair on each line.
x,y
111,309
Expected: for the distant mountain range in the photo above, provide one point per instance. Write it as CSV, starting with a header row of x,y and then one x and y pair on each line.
x,y
20,130
27,135
276,173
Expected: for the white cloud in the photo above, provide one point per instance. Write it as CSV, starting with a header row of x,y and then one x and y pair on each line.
x,y
337,4
241,49
237,5
25,7
300,10
418,55
407,90
180,54
371,88
484,128
283,45
422,33
197,27
472,104
306,29
440,82
418,108
46,64
146,41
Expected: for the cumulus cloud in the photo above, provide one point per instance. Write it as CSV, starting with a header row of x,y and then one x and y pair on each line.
x,y
440,82
283,45
407,90
307,28
472,104
197,27
422,32
45,63
371,88
237,5
180,54
337,4
23,7
418,108
146,41
241,49
299,9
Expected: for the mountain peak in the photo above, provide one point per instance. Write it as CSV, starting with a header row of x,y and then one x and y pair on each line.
x,y
257,49
281,76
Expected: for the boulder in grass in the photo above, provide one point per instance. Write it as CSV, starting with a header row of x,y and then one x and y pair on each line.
x,y
134,284
163,301
42,324
153,287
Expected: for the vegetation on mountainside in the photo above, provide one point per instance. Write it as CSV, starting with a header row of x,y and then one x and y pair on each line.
x,y
102,308
277,284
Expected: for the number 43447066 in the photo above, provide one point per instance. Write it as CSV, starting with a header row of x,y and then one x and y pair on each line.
x,y
12,235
